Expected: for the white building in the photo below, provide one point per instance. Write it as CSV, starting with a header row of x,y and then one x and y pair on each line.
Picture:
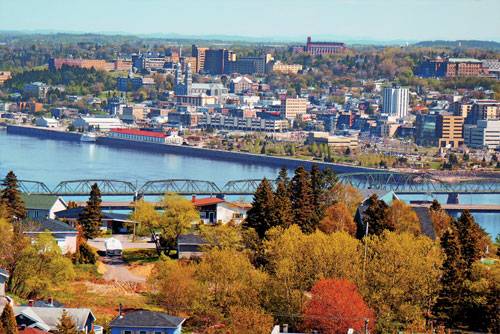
x,y
485,135
396,101
99,123
47,122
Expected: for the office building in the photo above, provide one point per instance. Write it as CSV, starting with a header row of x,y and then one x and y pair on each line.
x,y
217,60
486,134
449,130
483,110
396,102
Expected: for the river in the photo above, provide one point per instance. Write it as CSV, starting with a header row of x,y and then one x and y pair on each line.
x,y
52,161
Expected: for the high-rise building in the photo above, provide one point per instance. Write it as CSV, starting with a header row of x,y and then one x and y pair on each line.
x,y
217,60
199,54
486,134
396,102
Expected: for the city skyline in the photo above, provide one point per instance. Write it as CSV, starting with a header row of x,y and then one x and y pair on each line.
x,y
343,20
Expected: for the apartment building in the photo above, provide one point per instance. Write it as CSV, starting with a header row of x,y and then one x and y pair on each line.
x,y
278,66
396,102
293,107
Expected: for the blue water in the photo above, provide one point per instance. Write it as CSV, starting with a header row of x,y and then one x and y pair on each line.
x,y
52,161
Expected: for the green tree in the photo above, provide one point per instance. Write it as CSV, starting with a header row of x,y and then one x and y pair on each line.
x,y
283,177
41,268
8,320
302,200
469,236
175,219
261,216
9,196
66,324
90,217
282,206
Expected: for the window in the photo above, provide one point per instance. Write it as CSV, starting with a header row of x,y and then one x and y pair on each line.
x,y
158,333
127,332
237,215
142,332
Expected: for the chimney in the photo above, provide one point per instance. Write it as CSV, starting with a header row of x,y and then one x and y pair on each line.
x,y
51,301
30,303
121,316
285,328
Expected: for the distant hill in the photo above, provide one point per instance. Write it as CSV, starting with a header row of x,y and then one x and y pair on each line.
x,y
464,44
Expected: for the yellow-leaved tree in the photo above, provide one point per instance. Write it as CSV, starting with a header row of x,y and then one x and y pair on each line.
x,y
405,218
401,278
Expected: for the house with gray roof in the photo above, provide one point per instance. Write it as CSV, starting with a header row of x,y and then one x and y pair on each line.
x,y
146,322
47,318
43,205
64,234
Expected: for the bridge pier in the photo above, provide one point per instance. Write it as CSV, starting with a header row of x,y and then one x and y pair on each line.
x,y
453,198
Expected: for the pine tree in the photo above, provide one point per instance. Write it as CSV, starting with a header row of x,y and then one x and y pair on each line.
x,y
435,206
9,196
282,206
283,177
448,307
469,236
66,324
90,217
378,217
8,320
316,185
302,200
261,216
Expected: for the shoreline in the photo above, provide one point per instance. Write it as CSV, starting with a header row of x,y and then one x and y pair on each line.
x,y
213,154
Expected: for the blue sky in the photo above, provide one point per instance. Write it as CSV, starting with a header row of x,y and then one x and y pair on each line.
x,y
382,20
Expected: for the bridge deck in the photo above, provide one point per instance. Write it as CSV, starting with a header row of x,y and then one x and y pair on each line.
x,y
461,207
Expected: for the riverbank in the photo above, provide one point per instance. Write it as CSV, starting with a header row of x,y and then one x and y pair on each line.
x,y
206,153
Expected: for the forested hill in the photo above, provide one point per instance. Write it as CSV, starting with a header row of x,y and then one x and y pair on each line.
x,y
464,44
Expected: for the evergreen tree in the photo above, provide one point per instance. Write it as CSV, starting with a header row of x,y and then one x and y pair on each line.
x,y
316,185
435,206
90,217
9,196
469,236
2,330
328,179
302,200
8,320
282,206
378,217
261,216
448,307
283,177
66,324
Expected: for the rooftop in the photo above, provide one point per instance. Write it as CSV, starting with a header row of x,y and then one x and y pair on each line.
x,y
147,319
140,133
41,224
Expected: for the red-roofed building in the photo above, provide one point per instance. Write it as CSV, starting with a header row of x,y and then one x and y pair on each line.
x,y
215,210
146,136
30,330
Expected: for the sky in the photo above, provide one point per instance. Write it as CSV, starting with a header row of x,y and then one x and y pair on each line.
x,y
377,20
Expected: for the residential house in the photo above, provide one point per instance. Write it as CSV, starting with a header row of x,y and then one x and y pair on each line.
x,y
189,246
111,221
388,197
50,302
64,234
216,210
146,322
29,330
43,205
47,318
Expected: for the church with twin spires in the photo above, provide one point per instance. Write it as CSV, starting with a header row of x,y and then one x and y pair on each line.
x,y
184,85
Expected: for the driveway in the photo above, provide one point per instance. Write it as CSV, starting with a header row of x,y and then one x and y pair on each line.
x,y
117,270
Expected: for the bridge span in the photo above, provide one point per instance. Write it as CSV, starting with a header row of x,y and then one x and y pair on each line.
x,y
401,183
